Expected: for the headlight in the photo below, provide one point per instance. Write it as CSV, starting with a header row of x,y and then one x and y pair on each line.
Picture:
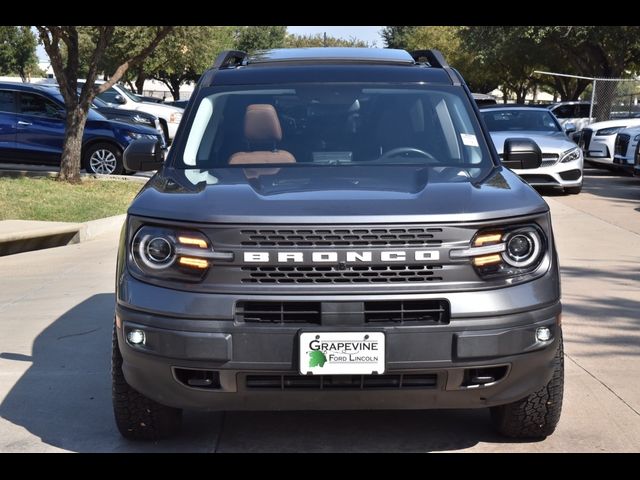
x,y
571,155
609,131
636,138
505,252
170,254
136,135
175,117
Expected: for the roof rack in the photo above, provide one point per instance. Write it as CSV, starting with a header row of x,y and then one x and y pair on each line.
x,y
435,59
229,58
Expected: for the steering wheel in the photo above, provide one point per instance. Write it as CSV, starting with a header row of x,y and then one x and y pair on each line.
x,y
394,152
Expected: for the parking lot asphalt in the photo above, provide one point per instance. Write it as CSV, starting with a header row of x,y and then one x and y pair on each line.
x,y
56,313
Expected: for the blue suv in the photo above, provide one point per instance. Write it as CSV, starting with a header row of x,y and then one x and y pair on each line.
x,y
32,123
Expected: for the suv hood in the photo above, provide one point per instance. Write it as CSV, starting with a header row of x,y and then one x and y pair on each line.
x,y
622,122
551,142
351,194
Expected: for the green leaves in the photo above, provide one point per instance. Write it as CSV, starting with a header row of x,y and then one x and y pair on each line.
x,y
317,358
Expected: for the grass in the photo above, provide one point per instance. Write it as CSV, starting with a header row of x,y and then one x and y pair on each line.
x,y
47,199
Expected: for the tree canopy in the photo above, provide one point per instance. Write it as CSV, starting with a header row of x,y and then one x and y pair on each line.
x,y
18,51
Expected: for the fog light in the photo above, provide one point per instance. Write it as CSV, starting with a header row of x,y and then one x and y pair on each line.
x,y
543,334
136,337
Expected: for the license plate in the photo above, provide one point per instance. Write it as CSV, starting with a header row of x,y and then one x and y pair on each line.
x,y
342,353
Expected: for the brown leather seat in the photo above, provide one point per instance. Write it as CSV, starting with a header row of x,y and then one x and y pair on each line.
x,y
263,132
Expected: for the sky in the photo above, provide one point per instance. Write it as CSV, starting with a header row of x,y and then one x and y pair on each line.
x,y
370,35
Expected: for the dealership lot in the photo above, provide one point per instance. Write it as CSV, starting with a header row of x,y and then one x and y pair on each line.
x,y
56,310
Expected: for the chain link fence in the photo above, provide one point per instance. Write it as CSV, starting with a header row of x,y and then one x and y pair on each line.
x,y
609,98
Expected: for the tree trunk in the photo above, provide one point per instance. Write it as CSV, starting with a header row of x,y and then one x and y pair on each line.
x,y
174,87
140,79
604,100
72,150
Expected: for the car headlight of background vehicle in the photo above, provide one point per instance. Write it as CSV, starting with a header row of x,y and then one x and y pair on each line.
x,y
571,155
175,117
505,252
608,131
136,136
170,254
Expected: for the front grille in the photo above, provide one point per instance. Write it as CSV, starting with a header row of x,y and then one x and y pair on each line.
x,y
549,159
341,382
342,237
622,143
334,275
585,139
279,312
538,179
407,311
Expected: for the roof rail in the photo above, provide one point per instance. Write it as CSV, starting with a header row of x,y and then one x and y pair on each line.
x,y
229,58
436,59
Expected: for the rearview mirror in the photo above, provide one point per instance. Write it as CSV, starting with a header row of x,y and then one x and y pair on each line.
x,y
521,153
569,128
143,155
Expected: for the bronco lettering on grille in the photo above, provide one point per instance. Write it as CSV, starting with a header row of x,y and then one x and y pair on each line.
x,y
345,256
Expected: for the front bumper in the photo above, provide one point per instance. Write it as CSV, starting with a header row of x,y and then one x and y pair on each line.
x,y
567,174
601,149
238,354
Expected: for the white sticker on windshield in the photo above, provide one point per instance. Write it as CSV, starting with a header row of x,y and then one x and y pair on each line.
x,y
469,140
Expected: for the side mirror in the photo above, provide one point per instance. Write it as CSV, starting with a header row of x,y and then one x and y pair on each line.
x,y
569,128
143,155
521,153
119,99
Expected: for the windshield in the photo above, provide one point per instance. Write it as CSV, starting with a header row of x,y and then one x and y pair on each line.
x,y
336,125
506,120
129,95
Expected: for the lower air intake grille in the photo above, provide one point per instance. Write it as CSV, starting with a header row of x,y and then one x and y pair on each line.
x,y
407,311
279,312
341,382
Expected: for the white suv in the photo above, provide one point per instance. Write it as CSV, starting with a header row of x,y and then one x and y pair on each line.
x,y
120,97
598,139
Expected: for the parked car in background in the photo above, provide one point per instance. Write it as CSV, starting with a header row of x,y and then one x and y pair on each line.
x,y
562,160
32,126
625,148
598,140
119,97
577,113
484,99
129,116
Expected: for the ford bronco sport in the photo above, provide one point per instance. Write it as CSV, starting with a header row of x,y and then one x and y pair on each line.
x,y
333,229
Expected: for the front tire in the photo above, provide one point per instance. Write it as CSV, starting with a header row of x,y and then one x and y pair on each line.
x,y
103,159
138,417
537,415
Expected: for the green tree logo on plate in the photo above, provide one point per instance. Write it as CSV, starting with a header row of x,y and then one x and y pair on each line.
x,y
317,358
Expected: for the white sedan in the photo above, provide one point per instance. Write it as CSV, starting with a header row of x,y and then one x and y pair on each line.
x,y
598,139
562,161
625,149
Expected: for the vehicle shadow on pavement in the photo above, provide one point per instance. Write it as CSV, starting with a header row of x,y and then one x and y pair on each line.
x,y
64,399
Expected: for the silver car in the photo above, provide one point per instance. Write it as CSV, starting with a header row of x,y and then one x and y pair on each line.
x,y
562,160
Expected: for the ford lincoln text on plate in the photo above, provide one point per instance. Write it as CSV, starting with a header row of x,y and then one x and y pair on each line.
x,y
333,229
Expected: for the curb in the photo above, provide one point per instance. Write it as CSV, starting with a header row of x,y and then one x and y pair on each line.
x,y
15,173
93,228
57,235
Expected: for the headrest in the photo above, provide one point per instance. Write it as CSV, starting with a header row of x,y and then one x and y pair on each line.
x,y
261,124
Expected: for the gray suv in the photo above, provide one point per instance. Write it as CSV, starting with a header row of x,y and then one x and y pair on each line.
x,y
334,229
